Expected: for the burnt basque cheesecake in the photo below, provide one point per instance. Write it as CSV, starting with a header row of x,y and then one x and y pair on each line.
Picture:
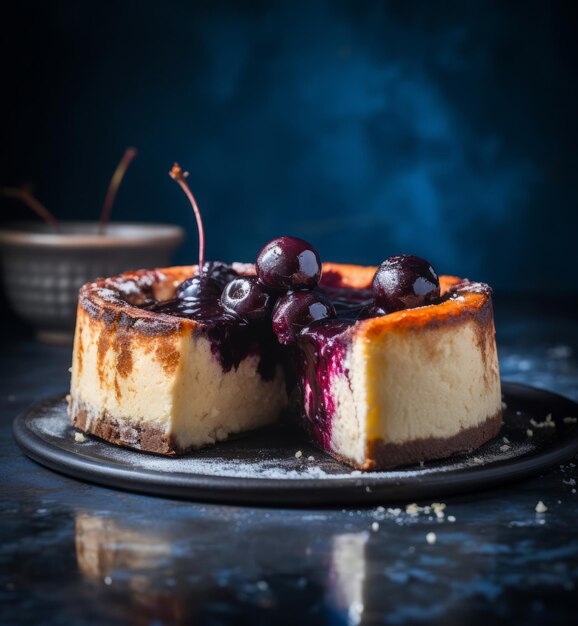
x,y
166,374
381,366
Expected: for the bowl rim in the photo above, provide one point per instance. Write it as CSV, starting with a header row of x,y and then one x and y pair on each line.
x,y
22,234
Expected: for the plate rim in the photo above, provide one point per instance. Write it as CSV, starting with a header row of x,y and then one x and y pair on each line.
x,y
297,491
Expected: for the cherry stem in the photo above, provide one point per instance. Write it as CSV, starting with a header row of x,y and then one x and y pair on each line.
x,y
25,195
119,172
177,174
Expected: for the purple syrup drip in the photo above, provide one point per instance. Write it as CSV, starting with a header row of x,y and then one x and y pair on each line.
x,y
232,338
319,359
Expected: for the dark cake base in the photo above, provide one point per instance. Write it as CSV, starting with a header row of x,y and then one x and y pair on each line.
x,y
143,437
382,456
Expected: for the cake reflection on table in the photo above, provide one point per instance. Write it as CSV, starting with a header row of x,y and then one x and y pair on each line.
x,y
348,573
172,571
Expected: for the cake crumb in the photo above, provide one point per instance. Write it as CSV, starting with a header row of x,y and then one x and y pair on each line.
x,y
108,580
375,527
478,460
504,406
262,585
79,437
412,509
570,482
541,507
298,454
380,509
529,432
547,423
367,489
438,509
505,448
451,518
311,458
431,538
573,490
570,420
505,440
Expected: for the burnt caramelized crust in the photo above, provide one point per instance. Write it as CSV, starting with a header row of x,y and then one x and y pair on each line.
x,y
119,300
167,384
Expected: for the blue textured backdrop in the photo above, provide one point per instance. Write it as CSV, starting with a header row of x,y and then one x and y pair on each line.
x,y
446,130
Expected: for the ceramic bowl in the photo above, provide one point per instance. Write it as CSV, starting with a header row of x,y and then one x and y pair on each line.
x,y
42,270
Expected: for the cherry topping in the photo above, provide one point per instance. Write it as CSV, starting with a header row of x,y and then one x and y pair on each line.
x,y
247,298
199,288
296,310
288,263
405,282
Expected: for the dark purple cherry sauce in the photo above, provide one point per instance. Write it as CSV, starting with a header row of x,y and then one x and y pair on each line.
x,y
317,359
232,337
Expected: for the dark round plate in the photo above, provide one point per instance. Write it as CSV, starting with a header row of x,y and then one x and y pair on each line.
x,y
262,467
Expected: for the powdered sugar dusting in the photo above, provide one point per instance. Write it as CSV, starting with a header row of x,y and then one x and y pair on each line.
x,y
54,421
279,468
206,466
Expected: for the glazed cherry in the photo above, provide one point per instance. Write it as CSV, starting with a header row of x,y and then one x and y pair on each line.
x,y
294,311
199,288
405,282
288,263
247,298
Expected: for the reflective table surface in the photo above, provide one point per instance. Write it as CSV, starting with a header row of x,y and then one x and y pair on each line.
x,y
74,553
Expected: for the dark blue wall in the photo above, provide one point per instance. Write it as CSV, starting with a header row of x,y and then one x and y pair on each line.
x,y
445,130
